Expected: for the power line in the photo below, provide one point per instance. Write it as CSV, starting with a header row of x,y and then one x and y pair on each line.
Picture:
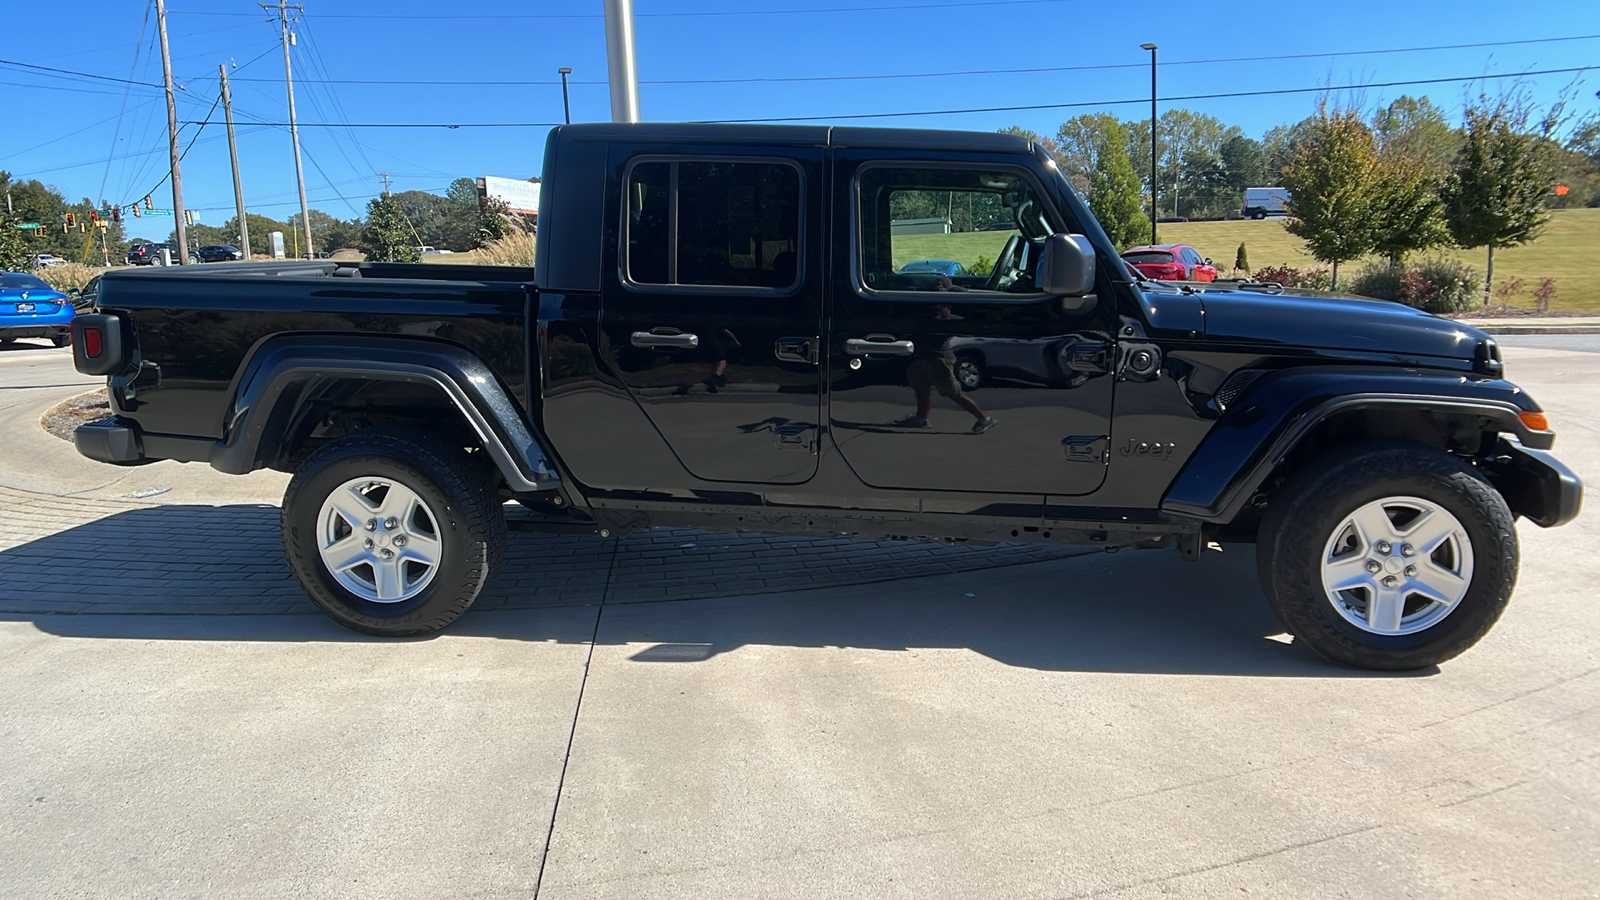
x,y
1141,100
69,72
985,109
665,15
952,74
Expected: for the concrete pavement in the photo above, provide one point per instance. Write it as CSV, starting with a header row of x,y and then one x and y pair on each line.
x,y
1123,726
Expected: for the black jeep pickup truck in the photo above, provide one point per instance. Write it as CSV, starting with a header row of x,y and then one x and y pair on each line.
x,y
836,331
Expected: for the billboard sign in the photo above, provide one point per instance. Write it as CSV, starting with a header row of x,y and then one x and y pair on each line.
x,y
520,195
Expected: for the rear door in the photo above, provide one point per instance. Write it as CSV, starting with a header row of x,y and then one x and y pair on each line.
x,y
711,313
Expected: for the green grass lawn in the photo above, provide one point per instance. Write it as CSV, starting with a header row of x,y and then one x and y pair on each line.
x,y
1559,253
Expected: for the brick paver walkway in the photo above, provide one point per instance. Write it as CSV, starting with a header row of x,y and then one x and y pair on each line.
x,y
60,555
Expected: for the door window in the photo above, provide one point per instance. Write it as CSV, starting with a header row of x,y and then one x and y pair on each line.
x,y
940,230
724,224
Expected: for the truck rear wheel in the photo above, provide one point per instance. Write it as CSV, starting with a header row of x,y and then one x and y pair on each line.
x,y
1388,555
392,533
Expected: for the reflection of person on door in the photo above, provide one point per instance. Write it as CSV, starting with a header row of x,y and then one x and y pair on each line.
x,y
933,368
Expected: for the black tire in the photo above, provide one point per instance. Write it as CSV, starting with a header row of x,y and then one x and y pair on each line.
x,y
1300,522
969,372
455,485
1258,216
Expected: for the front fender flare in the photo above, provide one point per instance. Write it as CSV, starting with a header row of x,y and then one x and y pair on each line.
x,y
1261,428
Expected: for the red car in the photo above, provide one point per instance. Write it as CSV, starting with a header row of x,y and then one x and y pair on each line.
x,y
1170,262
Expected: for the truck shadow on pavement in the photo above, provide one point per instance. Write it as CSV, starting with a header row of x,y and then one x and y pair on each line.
x,y
217,573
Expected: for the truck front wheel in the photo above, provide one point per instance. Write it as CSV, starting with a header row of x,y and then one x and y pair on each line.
x,y
392,533
1388,555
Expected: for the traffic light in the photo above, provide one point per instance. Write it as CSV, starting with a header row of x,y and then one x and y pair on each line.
x,y
147,203
71,220
116,214
136,212
188,217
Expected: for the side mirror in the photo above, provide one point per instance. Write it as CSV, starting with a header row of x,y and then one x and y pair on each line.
x,y
1209,262
1066,268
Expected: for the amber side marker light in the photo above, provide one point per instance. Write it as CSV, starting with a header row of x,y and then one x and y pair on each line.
x,y
1535,420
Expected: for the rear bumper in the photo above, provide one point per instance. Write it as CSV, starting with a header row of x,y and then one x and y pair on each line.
x,y
120,442
1536,485
36,331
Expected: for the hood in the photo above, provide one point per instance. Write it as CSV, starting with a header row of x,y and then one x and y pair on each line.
x,y
1345,323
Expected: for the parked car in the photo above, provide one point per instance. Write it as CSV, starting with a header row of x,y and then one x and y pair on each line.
x,y
47,261
1375,454
29,308
1170,262
1260,202
933,267
220,253
146,254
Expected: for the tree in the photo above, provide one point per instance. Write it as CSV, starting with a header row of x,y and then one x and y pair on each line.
x,y
1332,181
1281,143
328,232
1078,143
1408,215
1244,163
1114,195
15,254
387,236
1241,260
34,201
1415,128
1495,194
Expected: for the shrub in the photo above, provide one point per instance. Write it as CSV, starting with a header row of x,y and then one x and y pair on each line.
x,y
1290,277
1440,285
983,266
1378,282
514,249
67,277
1241,260
1508,289
1544,293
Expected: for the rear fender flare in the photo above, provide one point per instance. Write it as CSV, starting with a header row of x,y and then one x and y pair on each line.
x,y
272,386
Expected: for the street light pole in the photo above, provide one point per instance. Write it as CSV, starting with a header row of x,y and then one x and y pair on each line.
x,y
566,105
1152,49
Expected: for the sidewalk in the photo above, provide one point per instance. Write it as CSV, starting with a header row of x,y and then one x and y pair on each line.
x,y
1536,324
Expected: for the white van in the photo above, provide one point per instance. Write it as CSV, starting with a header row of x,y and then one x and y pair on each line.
x,y
1260,202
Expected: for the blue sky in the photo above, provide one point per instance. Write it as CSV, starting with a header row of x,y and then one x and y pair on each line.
x,y
106,139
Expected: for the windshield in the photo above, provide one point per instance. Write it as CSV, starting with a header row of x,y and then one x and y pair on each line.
x,y
17,281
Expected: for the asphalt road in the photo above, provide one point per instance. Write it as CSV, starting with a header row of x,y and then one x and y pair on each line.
x,y
1123,726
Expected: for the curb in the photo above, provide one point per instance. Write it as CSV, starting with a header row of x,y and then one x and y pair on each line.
x,y
1537,329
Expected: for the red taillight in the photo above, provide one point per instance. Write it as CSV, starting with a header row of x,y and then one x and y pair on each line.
x,y
93,343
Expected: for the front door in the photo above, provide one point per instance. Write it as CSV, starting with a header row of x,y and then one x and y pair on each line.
x,y
947,368
712,312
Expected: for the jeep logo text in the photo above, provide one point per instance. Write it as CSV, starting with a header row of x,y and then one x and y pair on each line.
x,y
1148,448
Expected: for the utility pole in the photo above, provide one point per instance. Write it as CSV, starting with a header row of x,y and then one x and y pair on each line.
x,y
624,71
385,177
233,156
294,131
172,135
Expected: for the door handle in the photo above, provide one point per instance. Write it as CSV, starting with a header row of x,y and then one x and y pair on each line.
x,y
863,347
678,341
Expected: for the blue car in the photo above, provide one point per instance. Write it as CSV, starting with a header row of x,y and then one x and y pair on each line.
x,y
29,308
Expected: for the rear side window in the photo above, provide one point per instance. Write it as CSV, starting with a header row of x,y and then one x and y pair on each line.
x,y
713,223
